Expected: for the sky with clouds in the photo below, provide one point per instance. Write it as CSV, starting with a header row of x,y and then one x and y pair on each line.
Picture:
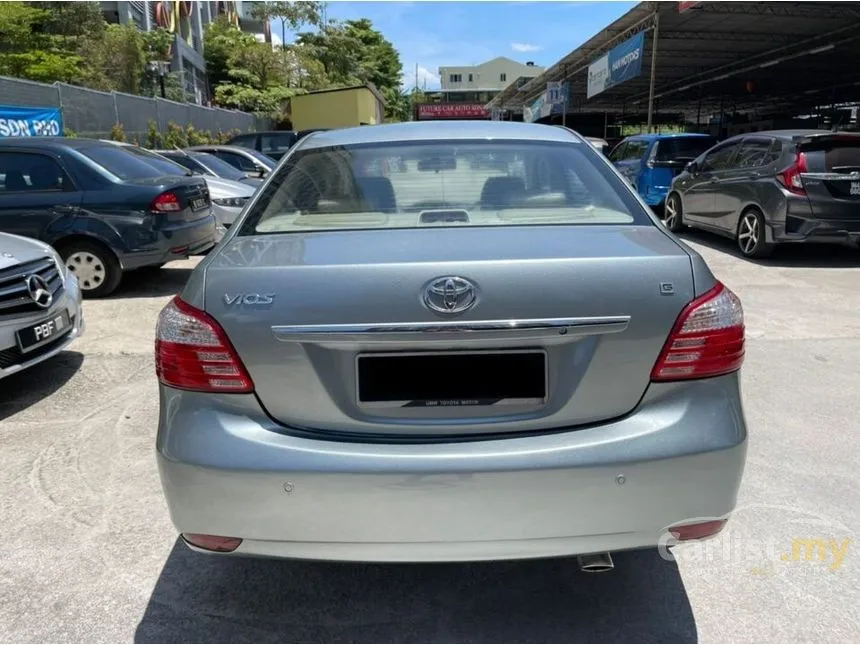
x,y
430,35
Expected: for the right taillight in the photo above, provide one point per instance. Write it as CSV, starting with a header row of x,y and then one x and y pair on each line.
x,y
791,176
192,352
707,339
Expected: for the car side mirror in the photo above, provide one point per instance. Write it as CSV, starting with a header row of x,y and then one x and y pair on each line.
x,y
692,168
261,173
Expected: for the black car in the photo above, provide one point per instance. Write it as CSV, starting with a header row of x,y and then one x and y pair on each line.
x,y
103,207
207,164
769,188
274,143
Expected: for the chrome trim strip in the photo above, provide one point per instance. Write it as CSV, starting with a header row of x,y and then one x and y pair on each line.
x,y
604,325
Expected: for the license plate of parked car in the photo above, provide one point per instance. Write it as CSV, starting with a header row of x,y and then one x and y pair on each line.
x,y
43,331
198,204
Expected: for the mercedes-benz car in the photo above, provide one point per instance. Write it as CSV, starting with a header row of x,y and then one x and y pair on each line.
x,y
40,304
454,361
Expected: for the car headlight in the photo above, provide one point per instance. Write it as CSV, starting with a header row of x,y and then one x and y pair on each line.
x,y
231,202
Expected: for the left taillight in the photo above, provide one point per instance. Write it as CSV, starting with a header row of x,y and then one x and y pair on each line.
x,y
792,177
192,352
166,203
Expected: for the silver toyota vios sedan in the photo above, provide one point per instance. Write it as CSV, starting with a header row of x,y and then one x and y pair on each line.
x,y
449,341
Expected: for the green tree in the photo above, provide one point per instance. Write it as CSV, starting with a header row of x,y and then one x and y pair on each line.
x,y
221,40
292,14
124,56
27,49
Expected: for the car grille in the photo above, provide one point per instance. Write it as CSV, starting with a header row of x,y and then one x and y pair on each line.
x,y
14,297
13,355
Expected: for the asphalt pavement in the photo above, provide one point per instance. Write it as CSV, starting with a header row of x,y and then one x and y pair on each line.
x,y
89,553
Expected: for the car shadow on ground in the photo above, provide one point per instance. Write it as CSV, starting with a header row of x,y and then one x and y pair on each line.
x,y
199,598
814,256
28,387
152,282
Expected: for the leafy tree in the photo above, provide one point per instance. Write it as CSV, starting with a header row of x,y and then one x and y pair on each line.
x,y
221,40
294,14
124,56
28,51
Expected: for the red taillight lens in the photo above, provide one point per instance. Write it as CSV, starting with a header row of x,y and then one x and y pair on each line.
x,y
192,352
791,176
707,340
166,203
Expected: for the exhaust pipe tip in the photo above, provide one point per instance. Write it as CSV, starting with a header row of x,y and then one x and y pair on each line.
x,y
596,563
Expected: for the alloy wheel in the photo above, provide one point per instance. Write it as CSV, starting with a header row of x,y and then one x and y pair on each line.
x,y
748,233
671,213
88,268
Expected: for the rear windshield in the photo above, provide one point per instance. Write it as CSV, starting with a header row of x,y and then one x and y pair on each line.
x,y
264,159
683,148
128,162
218,166
843,157
442,183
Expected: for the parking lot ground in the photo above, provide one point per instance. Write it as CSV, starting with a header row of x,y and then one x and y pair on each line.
x,y
89,553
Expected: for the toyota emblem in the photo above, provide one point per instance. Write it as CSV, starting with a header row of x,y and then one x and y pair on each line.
x,y
450,295
39,291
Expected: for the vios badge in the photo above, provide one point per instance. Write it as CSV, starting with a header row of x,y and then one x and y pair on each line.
x,y
450,295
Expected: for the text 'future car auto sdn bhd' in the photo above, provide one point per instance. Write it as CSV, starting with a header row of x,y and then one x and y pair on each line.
x,y
254,164
40,304
451,361
650,161
770,188
104,208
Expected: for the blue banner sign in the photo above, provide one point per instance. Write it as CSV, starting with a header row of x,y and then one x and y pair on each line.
x,y
619,64
30,121
553,101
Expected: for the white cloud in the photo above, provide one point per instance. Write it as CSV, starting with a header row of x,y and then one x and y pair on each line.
x,y
424,78
525,47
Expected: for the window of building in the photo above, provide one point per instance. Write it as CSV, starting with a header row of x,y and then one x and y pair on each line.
x,y
470,78
455,78
503,77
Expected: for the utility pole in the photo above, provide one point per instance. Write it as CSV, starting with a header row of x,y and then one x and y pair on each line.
x,y
653,66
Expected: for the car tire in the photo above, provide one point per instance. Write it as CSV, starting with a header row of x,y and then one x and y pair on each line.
x,y
94,264
673,213
751,235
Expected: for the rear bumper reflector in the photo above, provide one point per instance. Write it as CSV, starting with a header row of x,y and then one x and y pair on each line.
x,y
217,543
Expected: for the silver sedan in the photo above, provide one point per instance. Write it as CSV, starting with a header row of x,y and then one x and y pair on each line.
x,y
400,352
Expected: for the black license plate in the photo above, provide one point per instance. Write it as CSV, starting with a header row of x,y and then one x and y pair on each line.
x,y
198,204
44,331
452,379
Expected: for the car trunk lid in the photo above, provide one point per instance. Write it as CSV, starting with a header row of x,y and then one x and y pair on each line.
x,y
339,333
177,199
832,175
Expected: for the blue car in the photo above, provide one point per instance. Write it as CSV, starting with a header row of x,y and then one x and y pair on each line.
x,y
650,161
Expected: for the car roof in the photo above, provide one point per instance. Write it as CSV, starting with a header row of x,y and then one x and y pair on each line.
x,y
52,143
256,132
219,146
430,130
667,135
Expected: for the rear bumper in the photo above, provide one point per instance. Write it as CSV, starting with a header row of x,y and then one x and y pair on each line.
x,y
175,243
799,225
227,470
655,195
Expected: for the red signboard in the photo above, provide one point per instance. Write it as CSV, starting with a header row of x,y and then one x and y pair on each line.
x,y
683,6
453,111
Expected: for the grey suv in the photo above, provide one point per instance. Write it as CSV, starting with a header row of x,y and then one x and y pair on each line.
x,y
771,188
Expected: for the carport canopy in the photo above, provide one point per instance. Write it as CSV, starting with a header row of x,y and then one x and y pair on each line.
x,y
717,56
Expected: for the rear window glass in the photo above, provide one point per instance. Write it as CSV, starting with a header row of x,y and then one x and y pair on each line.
x,y
442,183
683,148
218,166
843,158
127,162
276,143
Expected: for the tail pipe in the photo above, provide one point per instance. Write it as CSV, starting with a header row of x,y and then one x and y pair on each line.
x,y
596,563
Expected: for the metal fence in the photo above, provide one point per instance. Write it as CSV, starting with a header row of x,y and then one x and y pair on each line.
x,y
90,113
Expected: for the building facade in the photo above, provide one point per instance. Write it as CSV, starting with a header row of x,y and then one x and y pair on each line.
x,y
480,83
187,21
